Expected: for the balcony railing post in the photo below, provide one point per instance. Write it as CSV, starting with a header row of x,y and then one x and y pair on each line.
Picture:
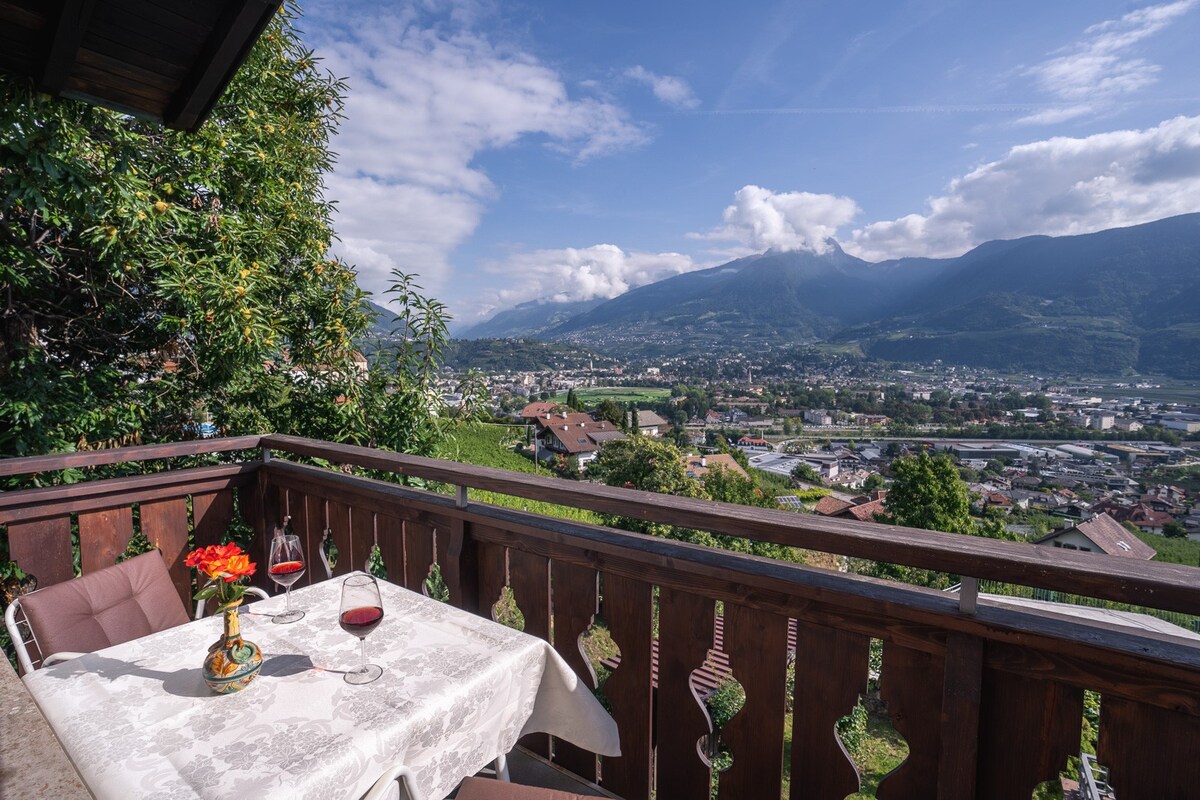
x,y
968,595
264,507
460,568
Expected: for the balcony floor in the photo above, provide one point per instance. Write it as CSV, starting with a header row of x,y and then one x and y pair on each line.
x,y
32,763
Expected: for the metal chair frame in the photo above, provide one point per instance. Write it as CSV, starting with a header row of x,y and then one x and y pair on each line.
x,y
403,775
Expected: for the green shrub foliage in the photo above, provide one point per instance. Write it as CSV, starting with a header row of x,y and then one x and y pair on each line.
x,y
154,277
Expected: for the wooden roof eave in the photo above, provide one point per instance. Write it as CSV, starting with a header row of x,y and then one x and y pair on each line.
x,y
172,63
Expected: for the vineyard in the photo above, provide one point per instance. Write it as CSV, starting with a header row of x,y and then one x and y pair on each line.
x,y
496,446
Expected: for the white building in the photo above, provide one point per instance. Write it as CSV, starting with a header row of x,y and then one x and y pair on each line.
x,y
818,416
748,444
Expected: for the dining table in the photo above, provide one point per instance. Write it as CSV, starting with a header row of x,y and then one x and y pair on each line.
x,y
457,692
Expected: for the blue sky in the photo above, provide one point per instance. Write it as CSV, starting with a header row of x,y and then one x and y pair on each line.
x,y
517,151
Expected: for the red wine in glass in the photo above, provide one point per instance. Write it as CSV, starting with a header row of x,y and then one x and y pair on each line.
x,y
286,573
285,568
360,613
361,621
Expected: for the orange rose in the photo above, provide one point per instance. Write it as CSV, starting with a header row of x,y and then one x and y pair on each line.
x,y
221,561
238,566
226,550
214,568
223,565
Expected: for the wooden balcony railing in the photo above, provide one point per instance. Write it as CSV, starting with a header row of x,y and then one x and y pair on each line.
x,y
988,697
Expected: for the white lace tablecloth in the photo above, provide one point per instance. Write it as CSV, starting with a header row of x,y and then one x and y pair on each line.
x,y
457,691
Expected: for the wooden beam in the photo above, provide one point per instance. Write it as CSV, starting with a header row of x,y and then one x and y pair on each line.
x,y
227,47
29,505
32,465
64,38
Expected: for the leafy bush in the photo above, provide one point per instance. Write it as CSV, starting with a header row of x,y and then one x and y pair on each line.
x,y
852,729
724,703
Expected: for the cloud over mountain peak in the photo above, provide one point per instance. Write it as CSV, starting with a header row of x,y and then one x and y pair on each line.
x,y
760,219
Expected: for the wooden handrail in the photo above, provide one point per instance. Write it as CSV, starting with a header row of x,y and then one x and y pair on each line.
x,y
1167,586
27,505
119,455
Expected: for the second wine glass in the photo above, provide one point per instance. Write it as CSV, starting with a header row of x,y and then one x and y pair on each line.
x,y
360,613
286,567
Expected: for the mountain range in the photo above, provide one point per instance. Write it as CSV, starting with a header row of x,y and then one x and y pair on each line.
x,y
529,319
1114,301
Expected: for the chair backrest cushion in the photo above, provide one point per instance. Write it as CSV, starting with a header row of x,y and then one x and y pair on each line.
x,y
485,789
132,599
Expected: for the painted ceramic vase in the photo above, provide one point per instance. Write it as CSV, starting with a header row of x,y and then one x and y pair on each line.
x,y
232,662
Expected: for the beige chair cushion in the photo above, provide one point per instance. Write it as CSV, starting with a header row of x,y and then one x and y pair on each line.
x,y
132,599
486,789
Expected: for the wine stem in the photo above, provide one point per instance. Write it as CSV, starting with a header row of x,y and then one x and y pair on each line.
x,y
287,598
363,641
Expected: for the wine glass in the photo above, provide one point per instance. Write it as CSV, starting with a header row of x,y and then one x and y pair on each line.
x,y
286,567
360,613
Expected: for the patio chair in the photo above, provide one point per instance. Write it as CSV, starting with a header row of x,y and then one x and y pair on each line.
x,y
395,784
110,606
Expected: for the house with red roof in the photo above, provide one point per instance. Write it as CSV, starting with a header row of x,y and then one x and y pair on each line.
x,y
830,506
1100,534
576,435
531,412
1138,514
866,512
861,509
997,500
698,466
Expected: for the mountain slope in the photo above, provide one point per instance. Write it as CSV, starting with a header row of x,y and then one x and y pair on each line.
x,y
527,319
784,296
1100,302
1105,302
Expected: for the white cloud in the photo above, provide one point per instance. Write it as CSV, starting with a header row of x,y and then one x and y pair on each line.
x,y
583,273
1057,187
673,91
1099,69
761,219
426,97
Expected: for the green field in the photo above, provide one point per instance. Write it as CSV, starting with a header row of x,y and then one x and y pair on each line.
x,y
618,394
853,349
1166,394
495,446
